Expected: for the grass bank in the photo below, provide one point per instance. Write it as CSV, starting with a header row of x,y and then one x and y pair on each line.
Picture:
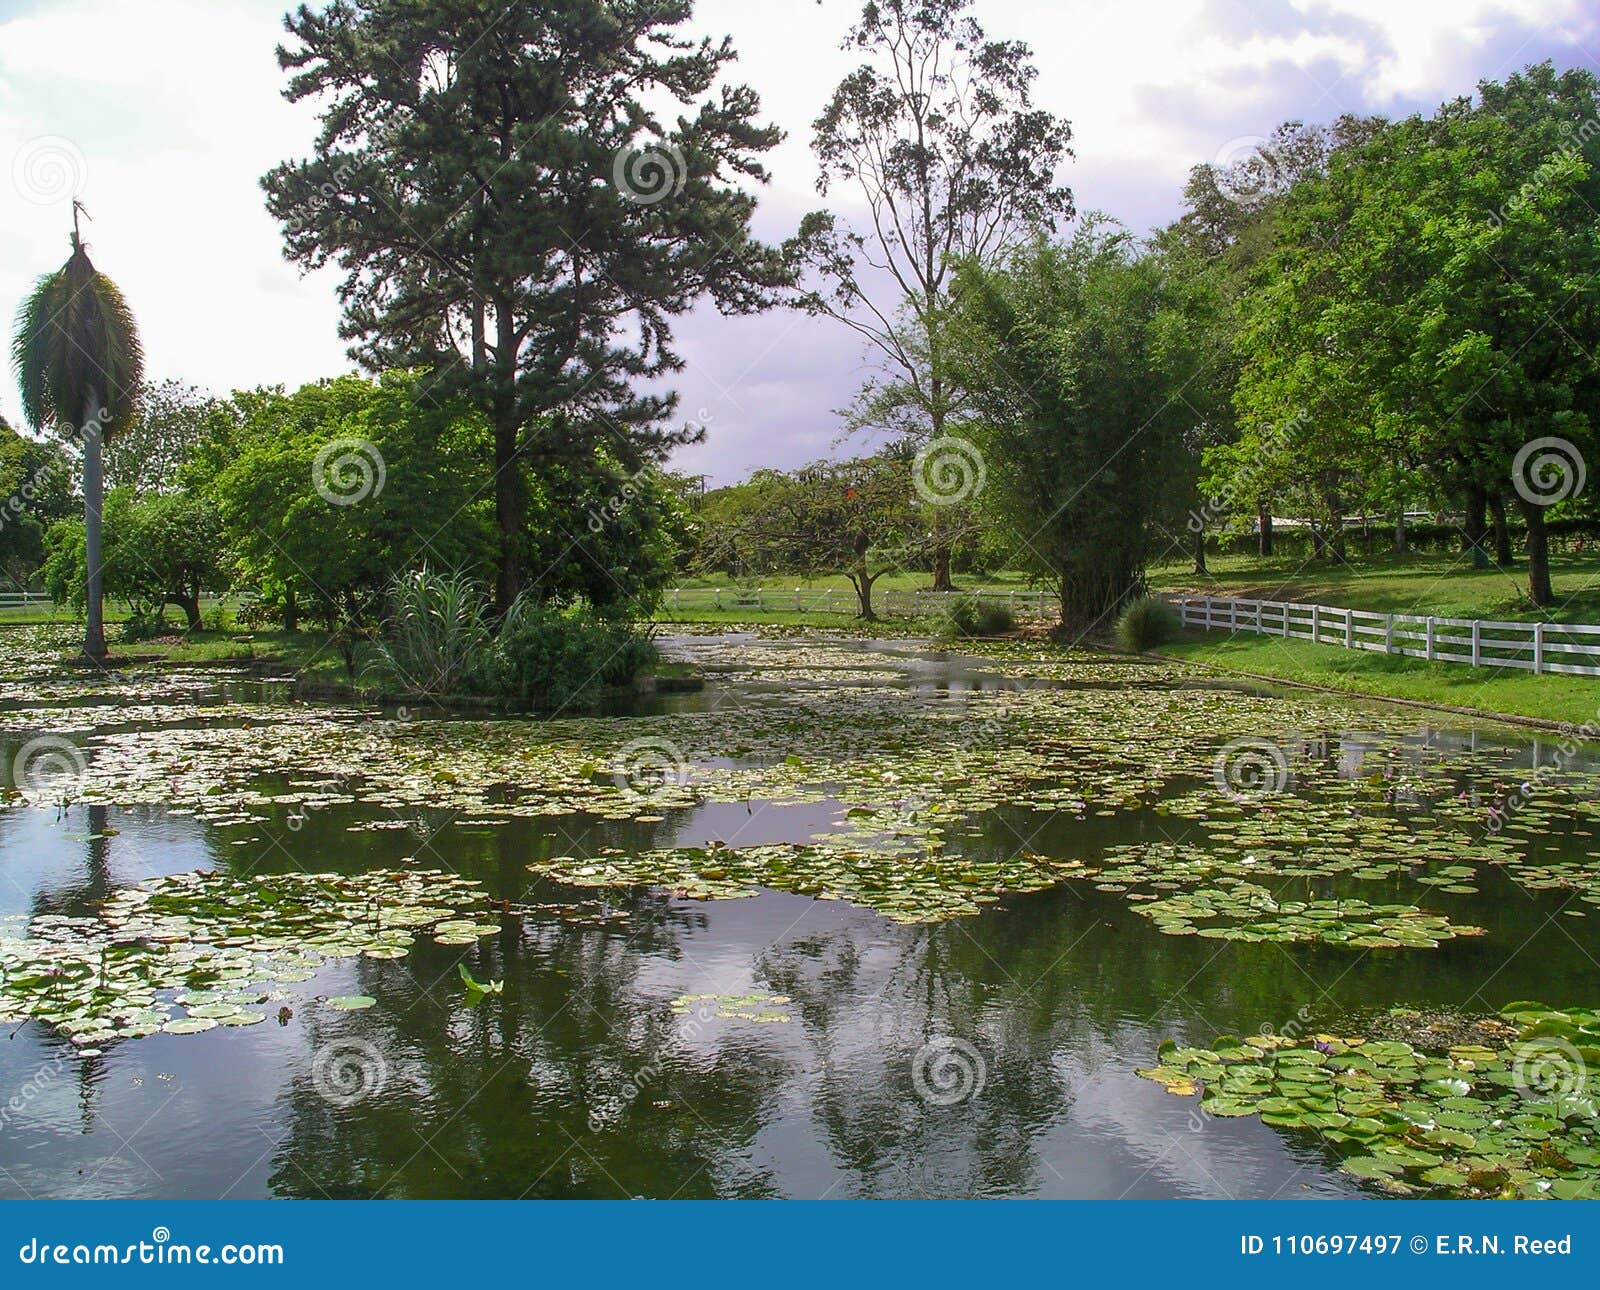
x,y
1446,586
1492,691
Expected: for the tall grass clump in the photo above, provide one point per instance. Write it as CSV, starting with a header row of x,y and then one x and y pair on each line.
x,y
1147,623
436,639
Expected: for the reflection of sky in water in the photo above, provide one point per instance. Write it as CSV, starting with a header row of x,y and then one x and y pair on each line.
x,y
1062,994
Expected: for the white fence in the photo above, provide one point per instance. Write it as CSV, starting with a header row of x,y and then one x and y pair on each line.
x,y
803,600
1534,647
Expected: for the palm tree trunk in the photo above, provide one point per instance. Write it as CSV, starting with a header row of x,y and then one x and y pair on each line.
x,y
94,636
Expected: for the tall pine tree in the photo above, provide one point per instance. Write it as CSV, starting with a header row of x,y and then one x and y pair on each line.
x,y
508,207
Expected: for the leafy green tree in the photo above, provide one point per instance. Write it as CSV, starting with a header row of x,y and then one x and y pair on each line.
x,y
509,209
36,485
79,365
169,422
1079,427
165,549
938,135
338,488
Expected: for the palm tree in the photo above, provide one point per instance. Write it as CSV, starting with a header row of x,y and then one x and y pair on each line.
x,y
79,365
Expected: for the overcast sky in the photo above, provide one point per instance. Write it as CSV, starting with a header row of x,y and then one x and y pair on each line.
x,y
163,114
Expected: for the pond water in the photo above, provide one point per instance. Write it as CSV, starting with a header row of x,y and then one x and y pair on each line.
x,y
839,924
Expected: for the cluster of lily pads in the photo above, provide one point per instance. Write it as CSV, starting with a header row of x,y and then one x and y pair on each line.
x,y
1509,1112
188,952
758,1006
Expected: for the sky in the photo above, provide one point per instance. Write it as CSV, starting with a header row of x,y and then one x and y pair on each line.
x,y
161,116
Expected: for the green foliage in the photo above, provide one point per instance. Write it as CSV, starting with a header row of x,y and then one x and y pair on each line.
x,y
159,550
969,616
1147,624
332,489
436,636
575,165
1079,429
559,656
36,485
170,419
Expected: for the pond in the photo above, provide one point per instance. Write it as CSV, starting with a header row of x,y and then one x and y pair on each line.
x,y
859,918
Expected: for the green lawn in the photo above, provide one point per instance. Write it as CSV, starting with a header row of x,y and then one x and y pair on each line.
x,y
1446,586
1551,697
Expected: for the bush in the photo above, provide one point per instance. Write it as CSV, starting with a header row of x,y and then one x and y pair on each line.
x,y
1146,623
557,656
974,616
144,625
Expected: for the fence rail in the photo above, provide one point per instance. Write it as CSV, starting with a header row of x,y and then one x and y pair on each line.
x,y
1023,604
1533,647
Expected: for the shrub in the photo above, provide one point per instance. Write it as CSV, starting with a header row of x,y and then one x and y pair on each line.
x,y
1147,623
555,656
144,625
436,639
974,616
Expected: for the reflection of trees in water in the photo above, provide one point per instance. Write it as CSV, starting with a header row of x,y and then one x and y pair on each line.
x,y
497,1100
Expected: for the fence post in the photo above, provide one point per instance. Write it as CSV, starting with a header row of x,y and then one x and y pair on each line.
x,y
1477,651
1258,618
1316,624
1349,629
1011,605
1538,648
1430,640
719,597
1388,633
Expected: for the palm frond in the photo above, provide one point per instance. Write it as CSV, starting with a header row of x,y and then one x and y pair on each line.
x,y
76,336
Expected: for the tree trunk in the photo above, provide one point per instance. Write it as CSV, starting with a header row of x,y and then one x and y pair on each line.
x,y
508,516
863,586
1200,548
90,433
291,610
1502,533
1539,589
1319,546
1401,544
191,610
941,557
1476,525
1263,531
